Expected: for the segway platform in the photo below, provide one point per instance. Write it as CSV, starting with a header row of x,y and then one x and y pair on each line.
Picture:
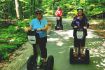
x,y
75,53
58,26
33,65
79,58
34,62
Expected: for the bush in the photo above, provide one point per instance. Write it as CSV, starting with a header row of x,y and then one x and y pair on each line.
x,y
11,38
5,49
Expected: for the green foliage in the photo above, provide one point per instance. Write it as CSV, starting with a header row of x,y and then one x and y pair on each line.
x,y
91,7
22,23
12,38
5,49
27,7
15,34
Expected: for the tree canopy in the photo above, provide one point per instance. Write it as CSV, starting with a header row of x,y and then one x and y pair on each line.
x,y
26,8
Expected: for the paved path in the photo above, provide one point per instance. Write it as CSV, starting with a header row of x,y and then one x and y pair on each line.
x,y
59,43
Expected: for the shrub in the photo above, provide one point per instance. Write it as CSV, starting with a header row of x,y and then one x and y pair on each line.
x,y
5,49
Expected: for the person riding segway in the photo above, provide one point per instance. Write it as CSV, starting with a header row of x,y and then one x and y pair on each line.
x,y
39,60
58,14
80,25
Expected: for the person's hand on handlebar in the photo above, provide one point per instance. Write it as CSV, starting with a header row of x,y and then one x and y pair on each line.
x,y
45,28
75,27
26,29
39,29
85,27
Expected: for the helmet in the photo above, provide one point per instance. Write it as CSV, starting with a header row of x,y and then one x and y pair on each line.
x,y
38,11
79,8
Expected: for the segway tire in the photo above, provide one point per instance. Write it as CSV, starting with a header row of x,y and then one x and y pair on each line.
x,y
87,56
50,63
31,63
71,56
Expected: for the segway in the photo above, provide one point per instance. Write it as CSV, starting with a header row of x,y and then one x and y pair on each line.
x,y
80,58
34,62
59,25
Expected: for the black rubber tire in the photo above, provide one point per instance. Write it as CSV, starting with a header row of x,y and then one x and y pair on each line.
x,y
87,56
50,63
31,63
71,56
55,27
61,27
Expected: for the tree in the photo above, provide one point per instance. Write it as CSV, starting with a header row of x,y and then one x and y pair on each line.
x,y
17,9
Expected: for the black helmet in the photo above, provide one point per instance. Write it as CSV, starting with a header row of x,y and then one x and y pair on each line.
x,y
79,8
38,11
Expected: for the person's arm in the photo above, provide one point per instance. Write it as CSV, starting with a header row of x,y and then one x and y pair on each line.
x,y
73,23
26,29
60,13
86,22
46,27
56,13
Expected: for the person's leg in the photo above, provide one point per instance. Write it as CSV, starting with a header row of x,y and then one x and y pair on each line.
x,y
83,41
75,38
61,20
85,33
44,52
57,21
61,23
83,44
75,47
43,48
35,51
75,42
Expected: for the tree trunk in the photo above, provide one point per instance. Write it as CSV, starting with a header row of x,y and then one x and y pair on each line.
x,y
31,7
17,9
39,3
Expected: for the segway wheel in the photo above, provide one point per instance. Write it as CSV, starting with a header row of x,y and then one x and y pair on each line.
x,y
61,27
55,27
87,57
50,63
71,56
31,63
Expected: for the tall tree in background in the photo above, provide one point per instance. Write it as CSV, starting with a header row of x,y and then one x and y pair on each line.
x,y
32,7
17,9
11,9
35,4
39,3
